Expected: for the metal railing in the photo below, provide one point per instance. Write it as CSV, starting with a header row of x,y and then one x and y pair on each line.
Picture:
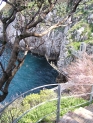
x,y
53,97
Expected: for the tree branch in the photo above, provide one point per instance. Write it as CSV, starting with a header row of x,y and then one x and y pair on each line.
x,y
25,35
2,67
11,4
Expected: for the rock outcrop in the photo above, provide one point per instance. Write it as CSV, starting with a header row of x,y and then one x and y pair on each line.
x,y
59,45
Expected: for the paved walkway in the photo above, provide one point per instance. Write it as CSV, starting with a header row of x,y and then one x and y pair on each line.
x,y
81,115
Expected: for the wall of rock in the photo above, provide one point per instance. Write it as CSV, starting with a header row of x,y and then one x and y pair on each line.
x,y
61,44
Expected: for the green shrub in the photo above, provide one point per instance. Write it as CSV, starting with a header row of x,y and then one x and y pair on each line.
x,y
34,115
35,99
24,104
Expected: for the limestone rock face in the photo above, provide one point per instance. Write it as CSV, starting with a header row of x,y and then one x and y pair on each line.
x,y
90,18
60,44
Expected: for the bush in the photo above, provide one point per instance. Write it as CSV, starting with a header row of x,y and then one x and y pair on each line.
x,y
38,113
81,72
24,104
35,99
21,105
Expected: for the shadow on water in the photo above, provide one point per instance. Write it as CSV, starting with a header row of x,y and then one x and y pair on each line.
x,y
34,72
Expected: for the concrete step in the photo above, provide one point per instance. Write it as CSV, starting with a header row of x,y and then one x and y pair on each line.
x,y
90,107
80,115
67,118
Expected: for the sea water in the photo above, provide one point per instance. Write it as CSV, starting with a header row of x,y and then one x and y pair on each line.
x,y
35,72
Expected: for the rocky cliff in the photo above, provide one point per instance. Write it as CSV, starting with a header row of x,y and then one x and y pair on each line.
x,y
61,44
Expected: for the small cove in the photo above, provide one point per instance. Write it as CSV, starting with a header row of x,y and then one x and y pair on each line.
x,y
35,72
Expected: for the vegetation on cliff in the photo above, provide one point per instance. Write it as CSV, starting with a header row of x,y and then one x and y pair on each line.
x,y
82,28
28,15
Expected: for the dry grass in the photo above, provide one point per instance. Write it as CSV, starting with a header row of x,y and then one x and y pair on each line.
x,y
81,72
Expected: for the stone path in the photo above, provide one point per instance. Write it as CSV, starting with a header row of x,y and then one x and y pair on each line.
x,y
81,115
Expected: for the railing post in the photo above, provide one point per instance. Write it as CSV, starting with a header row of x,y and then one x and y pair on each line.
x,y
58,103
91,94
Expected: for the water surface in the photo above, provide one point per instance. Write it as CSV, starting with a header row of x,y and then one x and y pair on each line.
x,y
34,72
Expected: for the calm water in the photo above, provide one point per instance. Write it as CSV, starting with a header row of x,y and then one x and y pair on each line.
x,y
34,72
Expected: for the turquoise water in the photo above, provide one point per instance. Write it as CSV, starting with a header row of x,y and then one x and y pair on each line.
x,y
34,72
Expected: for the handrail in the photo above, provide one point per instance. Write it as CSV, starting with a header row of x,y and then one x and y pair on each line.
x,y
45,116
50,101
76,95
63,84
61,109
33,108
26,93
39,88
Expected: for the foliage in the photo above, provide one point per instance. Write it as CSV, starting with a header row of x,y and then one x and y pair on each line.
x,y
75,44
34,99
81,18
23,104
39,112
61,8
48,108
